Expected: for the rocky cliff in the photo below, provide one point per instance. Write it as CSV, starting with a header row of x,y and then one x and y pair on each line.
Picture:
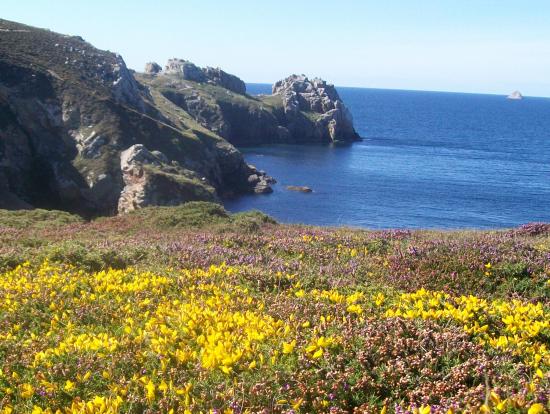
x,y
79,133
299,110
328,119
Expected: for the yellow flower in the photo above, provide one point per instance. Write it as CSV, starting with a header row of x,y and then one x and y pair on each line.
x,y
150,388
289,347
425,409
318,354
226,369
296,404
537,408
379,299
26,390
69,386
357,309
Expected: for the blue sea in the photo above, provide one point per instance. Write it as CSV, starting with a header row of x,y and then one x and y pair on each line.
x,y
428,160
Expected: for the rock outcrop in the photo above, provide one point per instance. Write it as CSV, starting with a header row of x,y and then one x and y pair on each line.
x,y
69,111
331,120
216,76
299,188
260,181
516,96
152,68
150,180
299,111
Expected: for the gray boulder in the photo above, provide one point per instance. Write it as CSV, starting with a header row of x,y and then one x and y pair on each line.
x,y
152,68
187,70
149,180
299,188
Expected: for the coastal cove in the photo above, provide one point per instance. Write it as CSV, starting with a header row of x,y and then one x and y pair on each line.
x,y
428,160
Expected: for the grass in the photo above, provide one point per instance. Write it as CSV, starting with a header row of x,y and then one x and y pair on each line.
x,y
33,219
195,214
193,309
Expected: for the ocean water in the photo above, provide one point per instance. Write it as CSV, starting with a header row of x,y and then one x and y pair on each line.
x,y
428,160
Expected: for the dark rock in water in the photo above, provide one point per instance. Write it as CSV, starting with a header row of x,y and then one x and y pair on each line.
x,y
300,188
260,180
262,187
79,133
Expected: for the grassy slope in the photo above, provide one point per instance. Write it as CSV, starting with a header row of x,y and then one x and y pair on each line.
x,y
339,284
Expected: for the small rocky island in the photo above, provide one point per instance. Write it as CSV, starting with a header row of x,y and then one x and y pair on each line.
x,y
299,188
515,96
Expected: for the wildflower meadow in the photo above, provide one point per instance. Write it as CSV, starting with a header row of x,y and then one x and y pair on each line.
x,y
171,311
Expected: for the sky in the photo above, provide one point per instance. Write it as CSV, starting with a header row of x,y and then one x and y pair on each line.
x,y
480,46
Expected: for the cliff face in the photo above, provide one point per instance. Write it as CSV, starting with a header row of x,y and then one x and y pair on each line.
x,y
298,111
69,111
314,111
81,132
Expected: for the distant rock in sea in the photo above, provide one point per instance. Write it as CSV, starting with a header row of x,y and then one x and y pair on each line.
x,y
516,95
300,188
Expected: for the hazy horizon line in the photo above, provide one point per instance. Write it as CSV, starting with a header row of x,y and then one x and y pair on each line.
x,y
415,90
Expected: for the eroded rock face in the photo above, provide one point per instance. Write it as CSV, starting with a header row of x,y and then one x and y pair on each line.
x,y
333,121
299,110
68,111
216,76
225,80
125,88
150,180
152,68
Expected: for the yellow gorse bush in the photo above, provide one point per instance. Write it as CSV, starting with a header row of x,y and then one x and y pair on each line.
x,y
101,342
158,323
514,325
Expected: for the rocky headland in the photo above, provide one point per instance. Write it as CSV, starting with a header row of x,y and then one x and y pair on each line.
x,y
299,110
81,132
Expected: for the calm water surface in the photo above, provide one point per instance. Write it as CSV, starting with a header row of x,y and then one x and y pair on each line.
x,y
428,160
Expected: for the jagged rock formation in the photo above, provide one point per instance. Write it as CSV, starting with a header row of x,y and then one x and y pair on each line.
x,y
260,180
67,113
332,120
299,111
216,76
149,180
152,68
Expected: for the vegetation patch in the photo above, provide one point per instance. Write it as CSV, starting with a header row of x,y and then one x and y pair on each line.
x,y
191,309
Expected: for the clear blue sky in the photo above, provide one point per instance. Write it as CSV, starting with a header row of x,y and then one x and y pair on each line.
x,y
493,46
